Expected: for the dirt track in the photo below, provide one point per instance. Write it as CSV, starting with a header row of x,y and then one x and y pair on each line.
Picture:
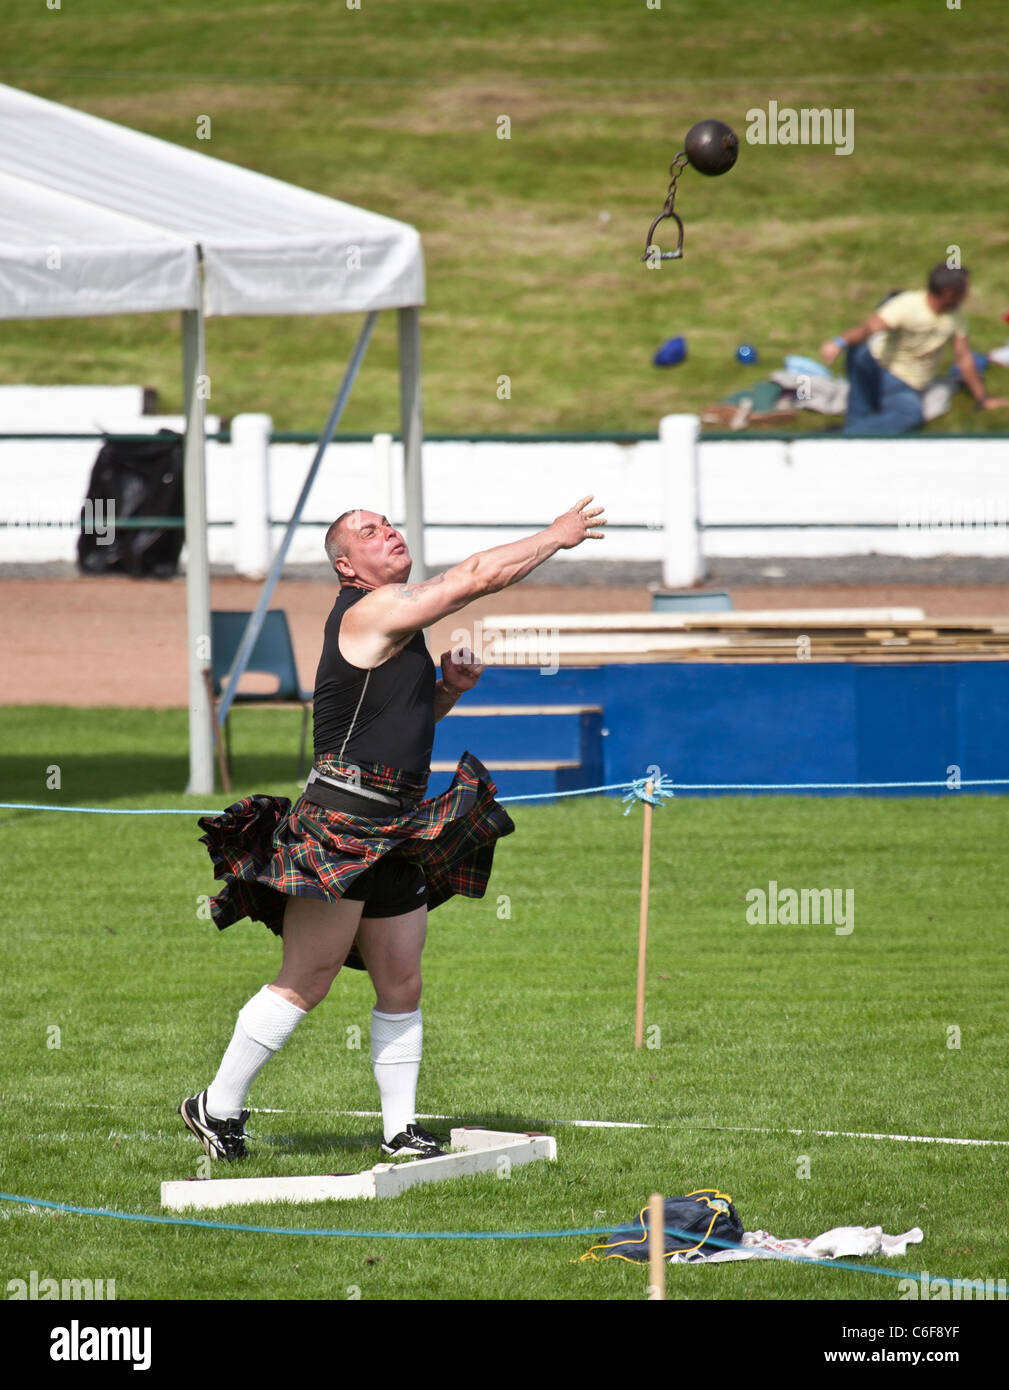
x,y
90,641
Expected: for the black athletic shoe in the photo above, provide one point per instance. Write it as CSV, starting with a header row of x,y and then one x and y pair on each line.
x,y
220,1138
413,1142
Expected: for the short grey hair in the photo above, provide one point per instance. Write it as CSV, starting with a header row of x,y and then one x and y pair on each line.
x,y
336,537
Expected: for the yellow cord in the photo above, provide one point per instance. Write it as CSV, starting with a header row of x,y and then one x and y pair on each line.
x,y
711,1195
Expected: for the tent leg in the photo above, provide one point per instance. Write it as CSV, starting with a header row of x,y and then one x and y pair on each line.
x,y
412,424
255,623
201,750
222,765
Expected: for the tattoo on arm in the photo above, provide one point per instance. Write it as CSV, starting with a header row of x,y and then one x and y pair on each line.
x,y
412,591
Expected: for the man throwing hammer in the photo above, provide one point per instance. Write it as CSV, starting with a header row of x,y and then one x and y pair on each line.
x,y
347,875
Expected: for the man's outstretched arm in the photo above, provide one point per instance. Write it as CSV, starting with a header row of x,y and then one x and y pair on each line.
x,y
395,611
851,336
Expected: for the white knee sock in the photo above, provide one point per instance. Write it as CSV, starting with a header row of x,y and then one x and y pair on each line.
x,y
264,1026
396,1046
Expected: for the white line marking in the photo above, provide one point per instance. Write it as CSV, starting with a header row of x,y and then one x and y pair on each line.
x,y
717,1129
595,1124
859,1134
752,1129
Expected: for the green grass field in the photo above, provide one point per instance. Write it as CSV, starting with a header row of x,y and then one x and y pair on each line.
x,y
528,1023
395,107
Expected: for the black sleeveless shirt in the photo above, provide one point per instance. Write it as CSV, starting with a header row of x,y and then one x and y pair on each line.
x,y
385,715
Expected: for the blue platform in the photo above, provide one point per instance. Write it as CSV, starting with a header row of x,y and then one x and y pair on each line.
x,y
803,721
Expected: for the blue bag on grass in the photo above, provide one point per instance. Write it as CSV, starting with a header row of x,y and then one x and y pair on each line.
x,y
703,1217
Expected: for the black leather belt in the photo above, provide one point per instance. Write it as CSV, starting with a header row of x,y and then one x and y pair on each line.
x,y
334,795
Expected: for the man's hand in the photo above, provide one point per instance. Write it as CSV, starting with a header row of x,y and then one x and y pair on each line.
x,y
574,526
460,670
829,351
971,377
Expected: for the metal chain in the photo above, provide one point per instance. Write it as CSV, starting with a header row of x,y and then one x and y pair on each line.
x,y
676,169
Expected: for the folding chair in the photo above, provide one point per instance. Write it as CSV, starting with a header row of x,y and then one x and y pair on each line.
x,y
273,655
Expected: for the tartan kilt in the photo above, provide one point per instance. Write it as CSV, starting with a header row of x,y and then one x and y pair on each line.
x,y
267,850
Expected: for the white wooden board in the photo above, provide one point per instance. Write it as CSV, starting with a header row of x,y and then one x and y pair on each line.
x,y
479,1151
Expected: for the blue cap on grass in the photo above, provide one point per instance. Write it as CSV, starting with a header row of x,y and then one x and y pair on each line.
x,y
671,353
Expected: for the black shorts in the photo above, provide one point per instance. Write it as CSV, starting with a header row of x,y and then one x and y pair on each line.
x,y
393,886
390,888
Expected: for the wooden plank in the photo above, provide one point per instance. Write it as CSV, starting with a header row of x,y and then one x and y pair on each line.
x,y
495,765
642,630
588,660
267,702
476,1151
504,653
935,639
648,621
393,1178
209,1194
484,710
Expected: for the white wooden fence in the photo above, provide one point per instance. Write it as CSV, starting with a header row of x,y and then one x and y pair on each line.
x,y
671,499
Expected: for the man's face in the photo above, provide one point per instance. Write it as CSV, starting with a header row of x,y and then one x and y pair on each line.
x,y
954,297
373,551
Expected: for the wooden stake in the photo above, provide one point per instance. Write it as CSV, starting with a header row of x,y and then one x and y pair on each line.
x,y
646,859
656,1248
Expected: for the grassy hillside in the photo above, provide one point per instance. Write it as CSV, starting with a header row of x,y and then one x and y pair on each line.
x,y
533,243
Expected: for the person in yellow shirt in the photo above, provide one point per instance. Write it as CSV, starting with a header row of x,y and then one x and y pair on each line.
x,y
908,334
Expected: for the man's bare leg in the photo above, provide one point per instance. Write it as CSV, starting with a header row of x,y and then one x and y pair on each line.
x,y
391,948
317,936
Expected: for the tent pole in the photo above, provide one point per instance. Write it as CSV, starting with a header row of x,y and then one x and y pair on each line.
x,y
412,420
201,737
255,623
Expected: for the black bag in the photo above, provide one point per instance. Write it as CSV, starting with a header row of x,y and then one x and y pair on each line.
x,y
133,478
705,1219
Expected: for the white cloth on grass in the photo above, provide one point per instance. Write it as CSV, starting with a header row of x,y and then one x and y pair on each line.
x,y
829,395
841,1242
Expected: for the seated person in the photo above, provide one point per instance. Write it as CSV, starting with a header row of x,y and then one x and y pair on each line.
x,y
889,376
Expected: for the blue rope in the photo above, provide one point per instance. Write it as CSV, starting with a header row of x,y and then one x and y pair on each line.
x,y
833,786
665,787
299,1231
579,791
455,1235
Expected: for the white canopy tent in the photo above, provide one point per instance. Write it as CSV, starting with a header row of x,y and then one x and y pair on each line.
x,y
99,219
